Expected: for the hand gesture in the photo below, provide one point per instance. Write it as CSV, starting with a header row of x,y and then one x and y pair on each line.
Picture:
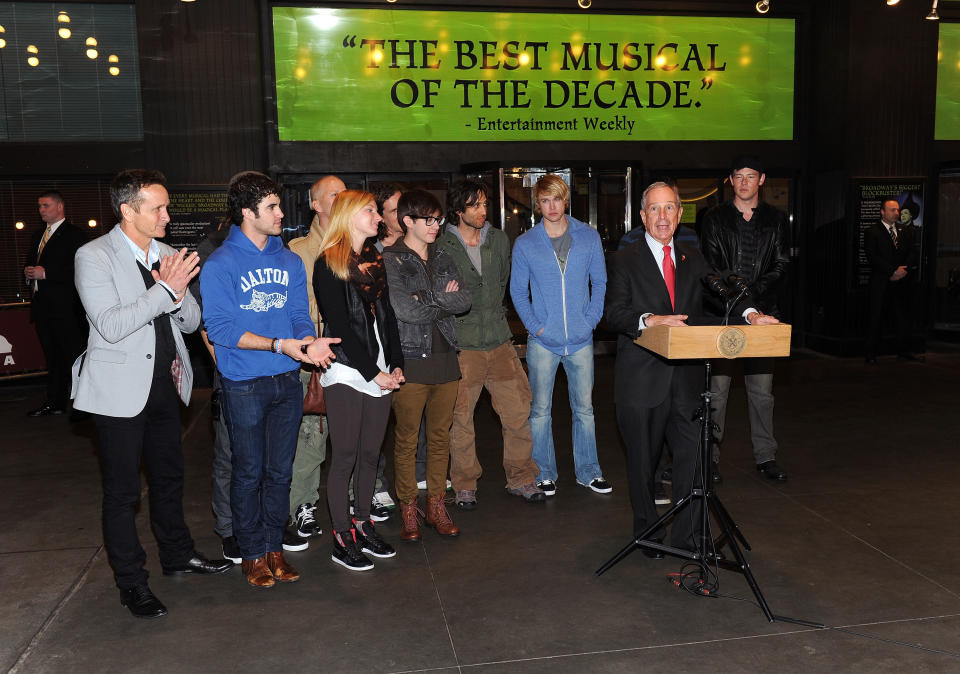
x,y
35,273
899,273
452,286
386,382
296,349
318,351
178,270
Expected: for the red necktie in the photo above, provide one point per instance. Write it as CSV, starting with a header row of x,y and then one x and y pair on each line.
x,y
669,274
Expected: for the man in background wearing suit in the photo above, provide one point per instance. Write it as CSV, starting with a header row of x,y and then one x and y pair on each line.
x,y
892,251
134,290
55,308
655,282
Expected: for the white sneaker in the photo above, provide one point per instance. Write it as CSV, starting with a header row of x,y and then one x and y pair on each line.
x,y
382,499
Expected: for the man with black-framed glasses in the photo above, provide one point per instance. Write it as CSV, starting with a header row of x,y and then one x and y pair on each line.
x,y
425,294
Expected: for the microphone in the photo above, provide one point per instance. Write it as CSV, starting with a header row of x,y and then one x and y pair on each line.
x,y
718,286
738,284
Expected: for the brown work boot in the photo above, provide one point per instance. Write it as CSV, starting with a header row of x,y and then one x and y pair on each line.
x,y
282,572
257,572
409,514
438,517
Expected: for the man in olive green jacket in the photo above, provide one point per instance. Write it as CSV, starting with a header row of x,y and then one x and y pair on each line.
x,y
487,357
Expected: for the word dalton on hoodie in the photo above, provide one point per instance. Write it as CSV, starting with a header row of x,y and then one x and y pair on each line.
x,y
261,301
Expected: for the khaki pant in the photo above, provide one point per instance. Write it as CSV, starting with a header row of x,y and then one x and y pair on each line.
x,y
409,403
311,452
500,371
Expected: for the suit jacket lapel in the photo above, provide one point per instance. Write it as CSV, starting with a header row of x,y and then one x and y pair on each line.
x,y
684,282
126,263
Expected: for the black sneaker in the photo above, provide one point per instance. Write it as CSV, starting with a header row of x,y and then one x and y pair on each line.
x,y
346,552
548,487
231,549
370,542
377,513
597,484
292,542
306,525
381,506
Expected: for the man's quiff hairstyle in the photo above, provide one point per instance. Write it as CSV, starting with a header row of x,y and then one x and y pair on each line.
x,y
551,185
126,186
247,190
463,194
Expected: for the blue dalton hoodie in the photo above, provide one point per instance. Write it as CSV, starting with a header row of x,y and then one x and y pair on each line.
x,y
246,289
566,305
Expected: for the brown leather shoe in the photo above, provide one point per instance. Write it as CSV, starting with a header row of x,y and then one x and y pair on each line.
x,y
438,517
257,572
410,516
282,572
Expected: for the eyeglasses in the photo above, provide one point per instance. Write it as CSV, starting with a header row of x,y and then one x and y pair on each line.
x,y
431,220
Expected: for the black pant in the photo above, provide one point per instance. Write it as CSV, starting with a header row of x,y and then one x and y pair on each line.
x,y
153,436
889,301
61,343
357,426
644,429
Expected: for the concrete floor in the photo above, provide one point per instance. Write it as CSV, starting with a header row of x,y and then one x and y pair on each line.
x,y
863,538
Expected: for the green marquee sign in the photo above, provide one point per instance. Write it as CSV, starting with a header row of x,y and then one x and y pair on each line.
x,y
401,75
948,83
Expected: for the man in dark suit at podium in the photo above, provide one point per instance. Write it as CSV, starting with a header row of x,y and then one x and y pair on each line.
x,y
55,306
892,251
655,282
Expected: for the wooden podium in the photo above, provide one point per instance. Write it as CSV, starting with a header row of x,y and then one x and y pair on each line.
x,y
708,342
717,341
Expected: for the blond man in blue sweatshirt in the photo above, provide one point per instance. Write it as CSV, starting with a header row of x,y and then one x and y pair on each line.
x,y
557,283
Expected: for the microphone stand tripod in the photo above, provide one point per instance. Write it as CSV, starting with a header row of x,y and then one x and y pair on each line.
x,y
706,501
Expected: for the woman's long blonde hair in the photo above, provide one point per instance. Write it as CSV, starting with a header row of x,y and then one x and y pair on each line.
x,y
336,246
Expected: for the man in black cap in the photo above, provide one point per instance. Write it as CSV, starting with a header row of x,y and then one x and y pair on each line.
x,y
748,238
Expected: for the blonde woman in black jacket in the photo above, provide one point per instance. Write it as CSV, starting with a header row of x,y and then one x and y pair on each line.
x,y
350,285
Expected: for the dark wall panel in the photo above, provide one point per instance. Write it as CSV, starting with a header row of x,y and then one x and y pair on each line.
x,y
202,95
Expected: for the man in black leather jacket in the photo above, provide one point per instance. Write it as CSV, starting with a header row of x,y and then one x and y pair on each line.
x,y
747,237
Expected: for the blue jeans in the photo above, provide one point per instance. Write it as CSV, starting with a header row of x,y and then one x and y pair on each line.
x,y
542,365
263,415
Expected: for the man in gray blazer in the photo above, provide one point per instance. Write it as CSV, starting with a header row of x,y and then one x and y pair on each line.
x,y
134,292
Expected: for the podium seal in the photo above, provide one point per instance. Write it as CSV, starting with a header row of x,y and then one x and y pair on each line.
x,y
731,342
